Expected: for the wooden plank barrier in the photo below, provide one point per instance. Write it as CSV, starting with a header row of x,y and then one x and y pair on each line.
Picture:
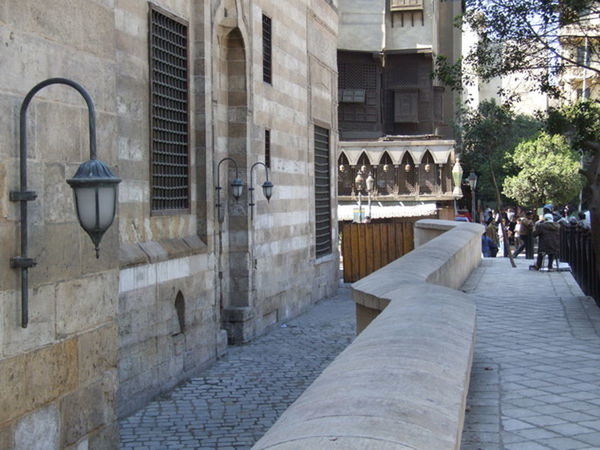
x,y
366,247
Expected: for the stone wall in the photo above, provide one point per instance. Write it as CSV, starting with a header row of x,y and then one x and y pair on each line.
x,y
168,319
109,334
59,375
403,382
274,251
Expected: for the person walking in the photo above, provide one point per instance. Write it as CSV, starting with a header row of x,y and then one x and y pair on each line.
x,y
549,241
525,229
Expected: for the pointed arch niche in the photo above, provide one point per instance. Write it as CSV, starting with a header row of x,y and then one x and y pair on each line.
x,y
407,176
386,176
428,174
345,179
363,166
231,141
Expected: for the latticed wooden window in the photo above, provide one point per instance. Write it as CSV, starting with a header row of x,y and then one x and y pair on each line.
x,y
267,49
169,100
406,5
322,192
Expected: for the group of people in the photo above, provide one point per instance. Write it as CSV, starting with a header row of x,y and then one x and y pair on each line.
x,y
520,231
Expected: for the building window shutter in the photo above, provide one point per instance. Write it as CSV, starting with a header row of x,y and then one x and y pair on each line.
x,y
406,106
322,193
268,148
267,50
406,5
169,100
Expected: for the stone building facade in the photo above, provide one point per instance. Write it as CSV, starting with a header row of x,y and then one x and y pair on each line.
x,y
395,120
178,86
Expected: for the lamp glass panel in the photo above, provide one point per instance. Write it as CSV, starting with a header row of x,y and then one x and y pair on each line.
x,y
106,197
268,191
86,207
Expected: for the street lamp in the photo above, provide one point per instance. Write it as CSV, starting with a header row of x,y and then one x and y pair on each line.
x,y
358,181
457,173
370,186
94,187
472,179
237,186
267,187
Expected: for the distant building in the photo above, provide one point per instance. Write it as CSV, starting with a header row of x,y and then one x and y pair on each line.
x,y
395,121
581,44
519,88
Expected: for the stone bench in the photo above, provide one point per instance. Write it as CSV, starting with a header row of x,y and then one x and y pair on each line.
x,y
403,382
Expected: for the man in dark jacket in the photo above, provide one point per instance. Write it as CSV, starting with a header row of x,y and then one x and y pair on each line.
x,y
525,231
549,241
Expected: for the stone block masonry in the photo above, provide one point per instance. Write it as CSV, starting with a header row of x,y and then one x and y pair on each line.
x,y
155,309
233,403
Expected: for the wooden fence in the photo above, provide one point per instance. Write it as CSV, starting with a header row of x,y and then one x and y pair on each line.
x,y
367,247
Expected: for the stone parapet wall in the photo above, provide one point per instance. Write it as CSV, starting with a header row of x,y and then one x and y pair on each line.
x,y
58,376
403,382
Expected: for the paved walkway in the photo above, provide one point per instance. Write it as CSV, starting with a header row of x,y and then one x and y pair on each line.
x,y
536,373
238,399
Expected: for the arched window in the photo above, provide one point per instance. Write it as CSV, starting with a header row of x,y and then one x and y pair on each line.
x,y
363,168
407,176
345,178
180,313
428,175
386,176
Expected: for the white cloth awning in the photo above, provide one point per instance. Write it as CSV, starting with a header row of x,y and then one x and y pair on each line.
x,y
347,212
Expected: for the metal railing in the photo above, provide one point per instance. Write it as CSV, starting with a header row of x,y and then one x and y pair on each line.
x,y
576,249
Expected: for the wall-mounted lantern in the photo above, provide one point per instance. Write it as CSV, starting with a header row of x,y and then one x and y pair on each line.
x,y
370,183
237,186
457,173
94,187
358,181
267,187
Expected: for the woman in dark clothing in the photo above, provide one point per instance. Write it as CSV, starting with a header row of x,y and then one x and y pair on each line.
x,y
549,241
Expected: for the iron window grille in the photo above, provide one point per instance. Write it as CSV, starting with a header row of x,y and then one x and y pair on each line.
x,y
169,113
267,50
268,148
322,193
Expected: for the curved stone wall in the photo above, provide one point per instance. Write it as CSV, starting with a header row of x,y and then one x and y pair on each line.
x,y
403,382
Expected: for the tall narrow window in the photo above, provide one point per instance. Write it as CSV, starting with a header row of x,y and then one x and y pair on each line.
x,y
322,192
169,116
268,148
267,61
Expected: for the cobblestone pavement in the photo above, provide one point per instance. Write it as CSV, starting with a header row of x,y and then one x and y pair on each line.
x,y
536,372
235,401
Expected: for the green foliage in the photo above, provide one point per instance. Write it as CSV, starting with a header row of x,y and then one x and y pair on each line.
x,y
579,122
549,172
490,134
521,36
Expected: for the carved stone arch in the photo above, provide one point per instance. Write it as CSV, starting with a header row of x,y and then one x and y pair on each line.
x,y
344,175
364,168
447,176
386,175
231,123
407,175
428,174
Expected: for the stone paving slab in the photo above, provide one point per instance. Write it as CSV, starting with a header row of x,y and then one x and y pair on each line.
x,y
234,402
535,380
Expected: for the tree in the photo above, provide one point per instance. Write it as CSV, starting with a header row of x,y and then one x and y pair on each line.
x,y
525,37
580,123
484,132
549,172
514,130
